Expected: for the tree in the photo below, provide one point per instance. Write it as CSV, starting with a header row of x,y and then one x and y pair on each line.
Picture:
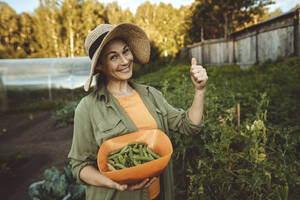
x,y
71,21
163,24
9,32
47,29
219,18
267,15
27,38
116,15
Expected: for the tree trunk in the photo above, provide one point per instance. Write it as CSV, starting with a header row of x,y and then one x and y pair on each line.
x,y
71,40
54,36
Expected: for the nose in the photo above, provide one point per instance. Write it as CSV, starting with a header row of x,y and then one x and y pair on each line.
x,y
124,60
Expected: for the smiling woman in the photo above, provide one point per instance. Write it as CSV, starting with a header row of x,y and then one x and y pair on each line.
x,y
116,63
118,106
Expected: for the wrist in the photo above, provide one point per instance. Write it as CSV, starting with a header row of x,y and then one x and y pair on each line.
x,y
200,91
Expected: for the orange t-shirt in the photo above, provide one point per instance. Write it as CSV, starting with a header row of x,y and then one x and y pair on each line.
x,y
137,111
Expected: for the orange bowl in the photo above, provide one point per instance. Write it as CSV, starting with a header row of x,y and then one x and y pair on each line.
x,y
155,139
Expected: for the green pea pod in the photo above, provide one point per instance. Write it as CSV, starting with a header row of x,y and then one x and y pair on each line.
x,y
115,160
150,156
135,143
110,167
124,149
130,153
136,162
141,150
145,153
135,150
142,158
111,162
121,159
120,166
156,156
114,152
113,156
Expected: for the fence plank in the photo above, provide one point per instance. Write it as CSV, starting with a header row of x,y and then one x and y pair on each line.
x,y
274,38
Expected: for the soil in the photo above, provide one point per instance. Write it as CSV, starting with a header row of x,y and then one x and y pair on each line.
x,y
37,137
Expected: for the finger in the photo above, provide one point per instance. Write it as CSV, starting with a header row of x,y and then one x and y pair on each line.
x,y
203,79
197,67
198,70
150,182
194,61
121,187
139,185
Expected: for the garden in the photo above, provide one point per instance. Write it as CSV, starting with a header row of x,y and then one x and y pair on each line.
x,y
247,148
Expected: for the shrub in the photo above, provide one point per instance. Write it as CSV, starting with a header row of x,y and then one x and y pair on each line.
x,y
57,185
65,115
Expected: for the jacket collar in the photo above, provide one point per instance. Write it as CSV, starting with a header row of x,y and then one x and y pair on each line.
x,y
103,95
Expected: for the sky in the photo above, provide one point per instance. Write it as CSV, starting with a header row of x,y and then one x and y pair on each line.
x,y
29,5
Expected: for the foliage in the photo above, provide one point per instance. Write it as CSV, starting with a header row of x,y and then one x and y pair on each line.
x,y
258,159
163,24
57,28
57,185
224,17
65,115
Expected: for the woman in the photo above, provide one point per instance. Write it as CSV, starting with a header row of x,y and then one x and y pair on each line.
x,y
118,106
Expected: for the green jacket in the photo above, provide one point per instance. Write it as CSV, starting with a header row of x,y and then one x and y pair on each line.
x,y
99,117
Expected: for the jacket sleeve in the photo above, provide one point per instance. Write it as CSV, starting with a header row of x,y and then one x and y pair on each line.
x,y
84,148
178,119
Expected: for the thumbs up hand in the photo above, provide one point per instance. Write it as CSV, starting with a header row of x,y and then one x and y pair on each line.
x,y
198,75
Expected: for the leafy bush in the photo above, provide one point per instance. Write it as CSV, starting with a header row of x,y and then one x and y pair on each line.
x,y
65,115
57,186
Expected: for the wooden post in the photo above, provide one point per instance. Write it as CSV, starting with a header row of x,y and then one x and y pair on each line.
x,y
49,87
256,47
296,33
238,115
3,97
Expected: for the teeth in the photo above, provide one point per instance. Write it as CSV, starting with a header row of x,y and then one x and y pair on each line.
x,y
123,69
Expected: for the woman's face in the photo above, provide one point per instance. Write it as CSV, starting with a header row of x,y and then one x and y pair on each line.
x,y
117,61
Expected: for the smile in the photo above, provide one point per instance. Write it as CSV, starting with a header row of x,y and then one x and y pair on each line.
x,y
126,69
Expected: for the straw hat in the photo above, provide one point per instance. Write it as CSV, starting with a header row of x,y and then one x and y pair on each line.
x,y
135,37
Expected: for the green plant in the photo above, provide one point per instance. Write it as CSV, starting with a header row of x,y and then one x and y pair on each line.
x,y
57,186
65,115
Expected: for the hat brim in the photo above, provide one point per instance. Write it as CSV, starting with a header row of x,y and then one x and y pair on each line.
x,y
135,37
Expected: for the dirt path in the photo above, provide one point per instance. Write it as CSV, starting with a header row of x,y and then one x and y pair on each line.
x,y
36,136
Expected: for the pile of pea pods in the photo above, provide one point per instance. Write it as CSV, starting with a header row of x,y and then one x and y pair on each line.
x,y
135,153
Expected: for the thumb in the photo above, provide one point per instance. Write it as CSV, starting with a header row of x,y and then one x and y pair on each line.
x,y
194,61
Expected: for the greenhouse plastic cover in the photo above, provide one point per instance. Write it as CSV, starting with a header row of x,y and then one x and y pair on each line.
x,y
44,72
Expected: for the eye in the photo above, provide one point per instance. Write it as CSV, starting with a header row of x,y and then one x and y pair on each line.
x,y
126,51
113,57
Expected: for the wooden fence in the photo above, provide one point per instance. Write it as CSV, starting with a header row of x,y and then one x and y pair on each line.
x,y
278,37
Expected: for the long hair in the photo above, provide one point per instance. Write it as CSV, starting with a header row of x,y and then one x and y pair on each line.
x,y
101,80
